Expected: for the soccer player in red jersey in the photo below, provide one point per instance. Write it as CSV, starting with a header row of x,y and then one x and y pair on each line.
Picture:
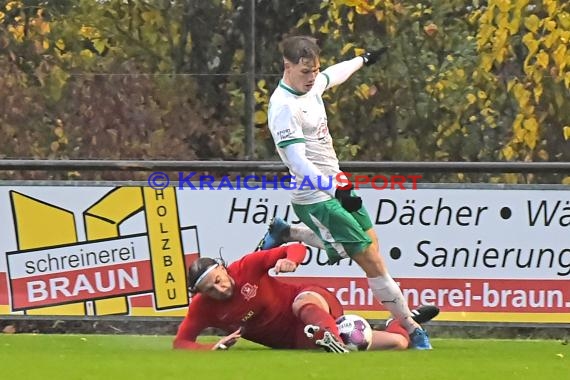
x,y
245,301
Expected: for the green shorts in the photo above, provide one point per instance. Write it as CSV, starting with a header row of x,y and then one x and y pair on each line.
x,y
343,233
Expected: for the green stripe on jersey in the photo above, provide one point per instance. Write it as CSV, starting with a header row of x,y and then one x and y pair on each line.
x,y
328,79
283,144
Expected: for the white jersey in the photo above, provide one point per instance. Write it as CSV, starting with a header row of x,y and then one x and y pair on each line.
x,y
301,117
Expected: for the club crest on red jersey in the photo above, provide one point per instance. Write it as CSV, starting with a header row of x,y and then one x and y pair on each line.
x,y
248,291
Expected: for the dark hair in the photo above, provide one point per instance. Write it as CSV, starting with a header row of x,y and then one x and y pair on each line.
x,y
297,47
197,268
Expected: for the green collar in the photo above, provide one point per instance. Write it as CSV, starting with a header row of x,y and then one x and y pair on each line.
x,y
289,89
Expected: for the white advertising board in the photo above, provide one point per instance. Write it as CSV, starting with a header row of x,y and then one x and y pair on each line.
x,y
493,254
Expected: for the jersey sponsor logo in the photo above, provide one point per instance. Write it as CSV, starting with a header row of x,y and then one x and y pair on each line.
x,y
284,134
246,317
323,131
248,291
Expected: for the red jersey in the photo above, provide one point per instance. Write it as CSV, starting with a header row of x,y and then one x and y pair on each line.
x,y
260,304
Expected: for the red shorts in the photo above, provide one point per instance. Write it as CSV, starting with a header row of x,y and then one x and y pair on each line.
x,y
335,310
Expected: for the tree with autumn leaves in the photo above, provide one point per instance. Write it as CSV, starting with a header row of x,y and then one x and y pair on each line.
x,y
462,80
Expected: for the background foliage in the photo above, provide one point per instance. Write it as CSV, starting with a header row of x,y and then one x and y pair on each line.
x,y
164,79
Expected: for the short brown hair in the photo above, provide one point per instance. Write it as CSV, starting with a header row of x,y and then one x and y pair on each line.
x,y
296,47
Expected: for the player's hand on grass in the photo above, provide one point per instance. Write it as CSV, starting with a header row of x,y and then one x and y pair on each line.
x,y
228,341
284,266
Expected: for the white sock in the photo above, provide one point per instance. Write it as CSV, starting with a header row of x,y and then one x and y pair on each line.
x,y
306,235
390,295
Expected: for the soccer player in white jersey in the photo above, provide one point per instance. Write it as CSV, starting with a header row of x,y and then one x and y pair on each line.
x,y
337,220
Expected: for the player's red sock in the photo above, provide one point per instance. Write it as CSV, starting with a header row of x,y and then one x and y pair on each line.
x,y
396,328
312,314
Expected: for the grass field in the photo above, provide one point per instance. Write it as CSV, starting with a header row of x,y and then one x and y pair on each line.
x,y
149,357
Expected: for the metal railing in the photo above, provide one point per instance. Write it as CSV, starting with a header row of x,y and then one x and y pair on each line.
x,y
277,166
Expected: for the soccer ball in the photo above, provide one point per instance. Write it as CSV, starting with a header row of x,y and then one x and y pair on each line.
x,y
355,332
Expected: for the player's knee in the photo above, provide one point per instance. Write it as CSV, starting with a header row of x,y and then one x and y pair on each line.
x,y
308,297
300,301
297,305
401,344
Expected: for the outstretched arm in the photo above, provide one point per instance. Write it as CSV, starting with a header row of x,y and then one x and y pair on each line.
x,y
197,319
340,72
187,333
224,343
265,260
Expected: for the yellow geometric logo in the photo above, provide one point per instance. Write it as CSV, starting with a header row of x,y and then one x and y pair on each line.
x,y
52,273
